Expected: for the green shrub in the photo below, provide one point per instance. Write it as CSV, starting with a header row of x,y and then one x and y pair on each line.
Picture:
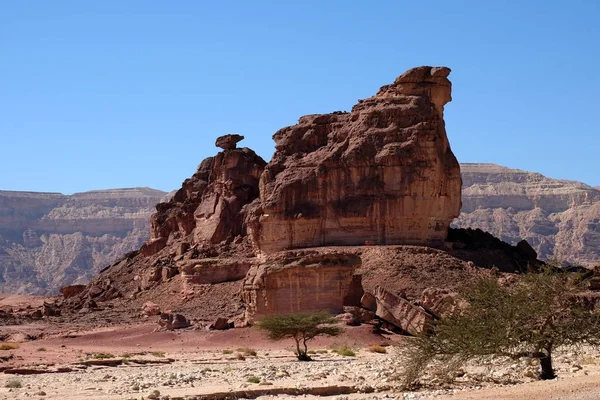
x,y
302,327
527,318
102,356
253,379
14,383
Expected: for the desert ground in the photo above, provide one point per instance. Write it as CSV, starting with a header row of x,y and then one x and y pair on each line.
x,y
62,361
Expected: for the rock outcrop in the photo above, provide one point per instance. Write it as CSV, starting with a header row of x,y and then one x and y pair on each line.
x,y
328,223
207,210
299,281
559,218
381,174
49,240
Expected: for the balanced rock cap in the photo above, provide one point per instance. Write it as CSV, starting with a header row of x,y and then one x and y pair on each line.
x,y
228,142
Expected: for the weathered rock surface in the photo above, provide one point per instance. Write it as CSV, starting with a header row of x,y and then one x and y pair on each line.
x,y
242,239
299,281
49,240
228,142
381,174
401,313
207,210
559,218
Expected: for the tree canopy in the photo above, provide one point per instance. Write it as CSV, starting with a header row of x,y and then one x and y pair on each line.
x,y
302,327
529,317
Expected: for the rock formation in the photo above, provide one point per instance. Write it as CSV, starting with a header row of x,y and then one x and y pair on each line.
x,y
381,174
328,223
207,210
559,218
299,281
49,240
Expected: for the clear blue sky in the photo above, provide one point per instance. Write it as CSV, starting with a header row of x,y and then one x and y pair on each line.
x,y
107,94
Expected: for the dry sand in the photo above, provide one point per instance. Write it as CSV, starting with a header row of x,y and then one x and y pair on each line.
x,y
195,364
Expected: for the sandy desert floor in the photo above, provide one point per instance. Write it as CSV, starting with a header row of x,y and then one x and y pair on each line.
x,y
202,364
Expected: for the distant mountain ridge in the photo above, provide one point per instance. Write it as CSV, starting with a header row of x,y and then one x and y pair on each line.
x,y
48,240
559,218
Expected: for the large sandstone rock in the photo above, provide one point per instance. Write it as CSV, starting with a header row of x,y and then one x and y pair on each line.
x,y
299,281
401,313
558,218
381,174
207,208
213,270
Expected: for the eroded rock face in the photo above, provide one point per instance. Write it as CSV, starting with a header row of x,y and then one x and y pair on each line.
x,y
381,174
208,206
299,281
228,142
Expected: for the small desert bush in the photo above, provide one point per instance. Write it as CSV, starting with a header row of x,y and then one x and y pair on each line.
x,y
253,379
302,327
158,354
344,351
41,349
9,346
102,356
377,349
228,351
240,356
248,352
14,383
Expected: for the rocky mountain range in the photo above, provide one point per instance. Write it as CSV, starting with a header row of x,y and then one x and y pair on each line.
x,y
48,240
559,218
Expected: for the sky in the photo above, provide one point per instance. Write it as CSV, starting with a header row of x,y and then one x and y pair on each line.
x,y
123,93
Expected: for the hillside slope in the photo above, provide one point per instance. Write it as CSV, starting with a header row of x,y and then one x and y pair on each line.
x,y
559,218
48,240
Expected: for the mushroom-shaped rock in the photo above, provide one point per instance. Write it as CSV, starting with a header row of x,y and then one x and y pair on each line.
x,y
228,142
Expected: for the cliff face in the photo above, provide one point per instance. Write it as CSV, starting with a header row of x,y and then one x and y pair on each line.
x,y
381,174
48,240
559,218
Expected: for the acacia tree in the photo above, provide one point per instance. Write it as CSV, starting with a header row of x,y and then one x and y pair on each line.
x,y
531,317
302,327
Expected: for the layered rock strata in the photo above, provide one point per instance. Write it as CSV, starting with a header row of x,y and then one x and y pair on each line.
x,y
299,281
381,174
559,218
49,240
243,239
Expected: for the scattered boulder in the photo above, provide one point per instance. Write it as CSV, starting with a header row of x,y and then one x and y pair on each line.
x,y
439,302
71,291
228,142
401,313
359,314
220,324
171,321
50,310
149,308
36,315
95,291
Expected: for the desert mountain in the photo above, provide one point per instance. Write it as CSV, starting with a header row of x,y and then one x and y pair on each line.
x,y
559,218
48,240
